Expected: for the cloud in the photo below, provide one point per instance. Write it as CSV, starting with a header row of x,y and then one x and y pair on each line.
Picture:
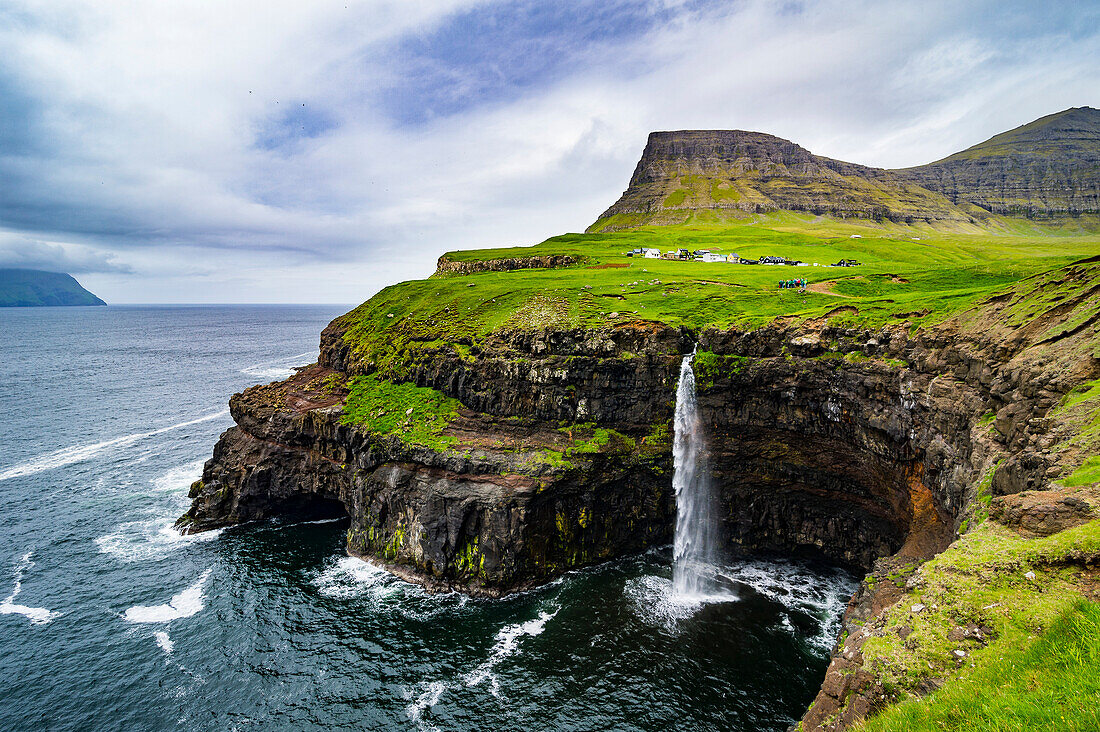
x,y
316,151
21,252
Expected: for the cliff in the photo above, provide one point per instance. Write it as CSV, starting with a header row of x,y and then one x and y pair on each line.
x,y
34,288
877,448
1047,169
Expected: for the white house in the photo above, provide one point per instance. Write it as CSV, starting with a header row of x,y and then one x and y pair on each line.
x,y
712,257
652,253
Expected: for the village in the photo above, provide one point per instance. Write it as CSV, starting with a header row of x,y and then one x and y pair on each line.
x,y
706,255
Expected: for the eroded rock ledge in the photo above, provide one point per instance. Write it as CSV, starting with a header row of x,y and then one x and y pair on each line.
x,y
446,265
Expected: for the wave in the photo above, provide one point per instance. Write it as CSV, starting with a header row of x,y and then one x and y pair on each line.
x,y
156,537
164,641
179,478
349,578
137,541
797,588
507,644
279,368
80,453
37,615
425,700
182,605
352,577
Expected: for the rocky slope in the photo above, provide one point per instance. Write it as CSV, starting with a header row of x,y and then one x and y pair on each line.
x,y
446,265
692,170
1049,168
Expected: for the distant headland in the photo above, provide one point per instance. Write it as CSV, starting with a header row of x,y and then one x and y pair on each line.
x,y
37,288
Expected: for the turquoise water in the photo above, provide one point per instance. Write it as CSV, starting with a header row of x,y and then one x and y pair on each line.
x,y
109,620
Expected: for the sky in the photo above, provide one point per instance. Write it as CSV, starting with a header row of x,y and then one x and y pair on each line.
x,y
315,152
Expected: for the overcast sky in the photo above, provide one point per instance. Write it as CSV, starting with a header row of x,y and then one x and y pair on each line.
x,y
297,151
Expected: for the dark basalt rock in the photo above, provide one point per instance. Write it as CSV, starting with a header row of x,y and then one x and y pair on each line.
x,y
506,264
812,454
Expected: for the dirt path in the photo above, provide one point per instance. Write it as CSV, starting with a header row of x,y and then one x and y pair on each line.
x,y
823,288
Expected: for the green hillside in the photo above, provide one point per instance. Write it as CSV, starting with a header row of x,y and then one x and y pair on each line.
x,y
913,274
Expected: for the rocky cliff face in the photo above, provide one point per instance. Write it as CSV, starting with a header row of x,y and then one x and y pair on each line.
x,y
448,266
693,170
1047,169
848,444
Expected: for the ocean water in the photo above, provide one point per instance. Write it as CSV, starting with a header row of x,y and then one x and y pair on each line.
x,y
111,621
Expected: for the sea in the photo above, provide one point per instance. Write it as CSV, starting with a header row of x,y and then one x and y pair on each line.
x,y
110,620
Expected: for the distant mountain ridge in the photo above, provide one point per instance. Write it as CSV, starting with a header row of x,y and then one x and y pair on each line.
x,y
37,288
1049,168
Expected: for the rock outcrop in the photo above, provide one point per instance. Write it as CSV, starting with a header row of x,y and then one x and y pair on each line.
x,y
446,265
845,443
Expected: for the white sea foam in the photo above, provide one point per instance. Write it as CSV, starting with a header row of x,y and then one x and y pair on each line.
x,y
279,368
80,453
352,577
426,699
155,538
179,478
507,644
182,605
164,641
37,615
797,588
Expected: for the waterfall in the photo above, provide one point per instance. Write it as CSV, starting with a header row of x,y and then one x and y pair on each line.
x,y
696,527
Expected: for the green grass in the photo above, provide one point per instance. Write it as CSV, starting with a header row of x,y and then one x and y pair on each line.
x,y
917,274
1087,474
383,408
981,579
1047,683
1081,409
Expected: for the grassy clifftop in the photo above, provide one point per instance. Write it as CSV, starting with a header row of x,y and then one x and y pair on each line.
x,y
914,274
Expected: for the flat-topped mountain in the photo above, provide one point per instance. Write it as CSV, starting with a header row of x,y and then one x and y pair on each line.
x,y
33,288
753,172
1045,169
